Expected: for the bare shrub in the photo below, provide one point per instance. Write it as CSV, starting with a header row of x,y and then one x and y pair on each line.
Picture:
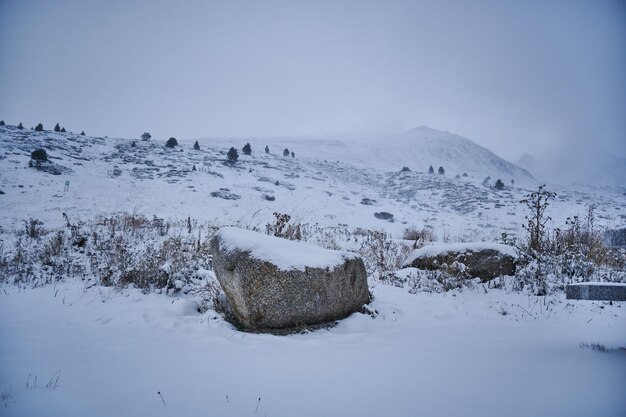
x,y
33,228
537,202
281,227
381,254
419,236
121,250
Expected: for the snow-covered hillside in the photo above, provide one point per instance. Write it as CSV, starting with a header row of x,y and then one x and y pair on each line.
x,y
329,182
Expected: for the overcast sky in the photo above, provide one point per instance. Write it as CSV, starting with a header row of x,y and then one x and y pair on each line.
x,y
515,76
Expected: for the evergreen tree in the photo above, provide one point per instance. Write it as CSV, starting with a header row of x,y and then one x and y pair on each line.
x,y
232,155
267,149
82,133
2,124
39,128
63,130
57,128
146,136
133,144
431,170
39,155
441,171
247,150
512,181
293,155
499,184
286,152
20,126
171,143
196,146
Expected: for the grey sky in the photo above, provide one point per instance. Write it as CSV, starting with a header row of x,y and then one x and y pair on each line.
x,y
515,76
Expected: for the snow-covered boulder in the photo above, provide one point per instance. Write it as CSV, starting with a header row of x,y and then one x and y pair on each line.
x,y
274,283
481,260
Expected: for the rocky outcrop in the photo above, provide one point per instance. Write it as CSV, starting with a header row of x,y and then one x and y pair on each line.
x,y
383,215
274,283
479,260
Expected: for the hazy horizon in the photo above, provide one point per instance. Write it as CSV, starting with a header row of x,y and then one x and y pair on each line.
x,y
535,77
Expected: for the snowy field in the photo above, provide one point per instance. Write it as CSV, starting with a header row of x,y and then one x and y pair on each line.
x,y
471,353
78,349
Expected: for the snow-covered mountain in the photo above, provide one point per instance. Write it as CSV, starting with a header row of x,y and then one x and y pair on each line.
x,y
329,182
422,147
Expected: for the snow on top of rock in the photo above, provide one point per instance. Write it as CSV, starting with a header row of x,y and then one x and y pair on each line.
x,y
285,254
461,247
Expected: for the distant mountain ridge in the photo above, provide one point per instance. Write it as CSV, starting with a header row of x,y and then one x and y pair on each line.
x,y
421,147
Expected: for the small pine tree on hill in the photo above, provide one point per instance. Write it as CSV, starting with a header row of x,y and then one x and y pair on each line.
x,y
247,150
431,170
286,152
196,146
146,136
63,130
171,143
20,126
232,155
293,155
1,122
499,184
39,128
82,133
267,149
39,155
57,128
441,171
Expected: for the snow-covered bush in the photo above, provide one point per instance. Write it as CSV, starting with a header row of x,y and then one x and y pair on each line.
x,y
381,254
418,236
573,253
124,249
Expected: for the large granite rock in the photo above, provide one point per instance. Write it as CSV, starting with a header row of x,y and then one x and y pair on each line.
x,y
480,260
274,283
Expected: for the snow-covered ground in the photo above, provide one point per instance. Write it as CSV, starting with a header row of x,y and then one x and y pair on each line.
x,y
471,353
477,352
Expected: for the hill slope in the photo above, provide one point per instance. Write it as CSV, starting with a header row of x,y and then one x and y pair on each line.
x,y
328,183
